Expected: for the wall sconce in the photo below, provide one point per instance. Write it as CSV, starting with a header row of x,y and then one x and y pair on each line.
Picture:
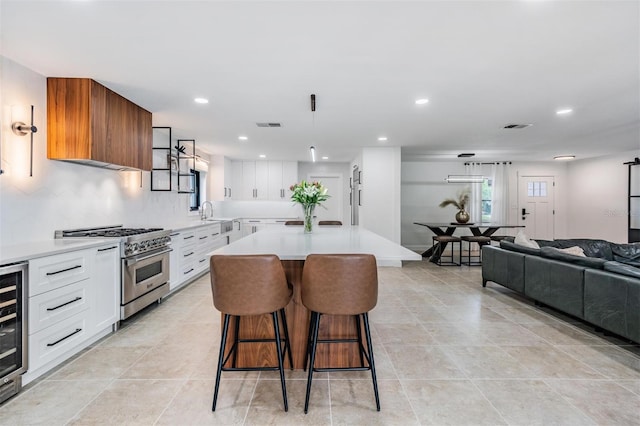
x,y
464,179
21,129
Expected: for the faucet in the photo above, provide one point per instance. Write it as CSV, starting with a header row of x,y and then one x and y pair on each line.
x,y
203,209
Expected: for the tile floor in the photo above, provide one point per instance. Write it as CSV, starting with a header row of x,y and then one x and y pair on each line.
x,y
447,352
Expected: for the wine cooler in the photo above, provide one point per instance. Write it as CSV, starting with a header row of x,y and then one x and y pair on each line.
x,y
13,328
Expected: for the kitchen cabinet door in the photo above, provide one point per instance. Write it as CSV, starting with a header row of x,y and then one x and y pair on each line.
x,y
248,190
275,181
237,182
106,287
289,177
228,179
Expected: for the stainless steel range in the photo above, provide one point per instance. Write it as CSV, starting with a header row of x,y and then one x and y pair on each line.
x,y
144,254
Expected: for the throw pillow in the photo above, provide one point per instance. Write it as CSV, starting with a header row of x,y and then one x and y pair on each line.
x,y
575,250
523,240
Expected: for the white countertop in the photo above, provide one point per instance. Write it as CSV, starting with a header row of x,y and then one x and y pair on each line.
x,y
291,243
23,252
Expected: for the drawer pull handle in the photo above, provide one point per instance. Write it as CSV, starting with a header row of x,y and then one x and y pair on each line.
x,y
189,254
202,238
108,248
64,270
217,233
65,304
174,235
202,260
78,330
189,237
189,271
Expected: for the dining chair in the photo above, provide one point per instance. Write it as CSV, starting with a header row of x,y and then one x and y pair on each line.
x,y
330,222
480,240
340,284
244,285
440,241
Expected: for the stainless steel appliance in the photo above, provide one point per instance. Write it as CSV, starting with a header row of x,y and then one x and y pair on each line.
x,y
144,254
13,328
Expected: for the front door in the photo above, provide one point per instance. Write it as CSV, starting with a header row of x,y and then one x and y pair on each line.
x,y
333,206
535,206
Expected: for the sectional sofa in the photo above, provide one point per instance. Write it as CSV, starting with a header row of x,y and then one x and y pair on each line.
x,y
602,287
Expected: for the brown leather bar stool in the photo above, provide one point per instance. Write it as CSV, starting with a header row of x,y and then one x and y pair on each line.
x,y
294,222
250,285
330,222
481,240
439,241
340,284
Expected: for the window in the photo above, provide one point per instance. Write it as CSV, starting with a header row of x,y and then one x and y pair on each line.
x,y
537,189
194,198
487,191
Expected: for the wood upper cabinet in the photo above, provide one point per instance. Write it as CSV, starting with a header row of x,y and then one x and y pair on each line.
x,y
91,124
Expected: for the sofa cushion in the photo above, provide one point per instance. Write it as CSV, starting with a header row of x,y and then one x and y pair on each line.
x,y
518,248
575,251
626,253
592,248
622,268
588,262
523,240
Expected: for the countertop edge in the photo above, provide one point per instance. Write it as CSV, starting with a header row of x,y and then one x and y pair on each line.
x,y
32,250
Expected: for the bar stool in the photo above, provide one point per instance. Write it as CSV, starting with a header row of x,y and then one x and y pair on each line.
x,y
250,285
294,222
481,240
330,222
340,284
438,242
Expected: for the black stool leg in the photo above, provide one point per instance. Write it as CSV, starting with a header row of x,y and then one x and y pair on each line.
x,y
360,345
367,332
235,342
220,359
309,340
314,345
280,366
287,344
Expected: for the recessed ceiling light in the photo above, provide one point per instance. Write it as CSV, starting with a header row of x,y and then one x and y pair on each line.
x,y
201,100
263,156
564,157
325,158
564,111
243,138
422,101
382,138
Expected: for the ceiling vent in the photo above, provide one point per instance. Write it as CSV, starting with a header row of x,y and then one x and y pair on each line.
x,y
268,125
517,126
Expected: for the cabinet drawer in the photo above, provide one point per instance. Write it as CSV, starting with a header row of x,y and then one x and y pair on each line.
x,y
48,308
188,253
54,341
187,270
187,237
48,273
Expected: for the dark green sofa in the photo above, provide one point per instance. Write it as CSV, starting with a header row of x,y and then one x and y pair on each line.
x,y
602,288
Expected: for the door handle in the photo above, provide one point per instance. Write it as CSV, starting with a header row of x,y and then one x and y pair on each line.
x,y
524,213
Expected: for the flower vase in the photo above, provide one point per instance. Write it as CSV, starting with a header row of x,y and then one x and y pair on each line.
x,y
462,216
308,217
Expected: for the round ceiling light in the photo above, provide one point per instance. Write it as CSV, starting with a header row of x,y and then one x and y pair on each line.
x,y
201,101
564,111
422,101
564,157
243,138
382,139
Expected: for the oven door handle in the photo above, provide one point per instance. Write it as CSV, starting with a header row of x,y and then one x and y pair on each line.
x,y
135,260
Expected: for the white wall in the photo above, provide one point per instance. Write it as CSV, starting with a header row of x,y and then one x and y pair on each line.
x,y
308,168
380,209
63,195
597,201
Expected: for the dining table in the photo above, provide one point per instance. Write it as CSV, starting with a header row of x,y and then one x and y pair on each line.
x,y
477,229
292,245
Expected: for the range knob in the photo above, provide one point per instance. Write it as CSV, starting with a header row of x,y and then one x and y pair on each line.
x,y
133,247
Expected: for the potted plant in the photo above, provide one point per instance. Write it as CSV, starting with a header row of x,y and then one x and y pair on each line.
x,y
309,195
460,202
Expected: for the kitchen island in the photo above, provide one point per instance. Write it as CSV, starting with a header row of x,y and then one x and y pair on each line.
x,y
292,246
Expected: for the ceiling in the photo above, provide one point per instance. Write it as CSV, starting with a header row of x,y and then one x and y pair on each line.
x,y
481,64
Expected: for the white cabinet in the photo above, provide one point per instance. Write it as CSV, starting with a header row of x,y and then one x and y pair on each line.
x,y
106,286
249,226
263,180
74,300
228,179
236,233
282,174
191,249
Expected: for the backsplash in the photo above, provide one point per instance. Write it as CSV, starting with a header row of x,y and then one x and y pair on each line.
x,y
64,195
